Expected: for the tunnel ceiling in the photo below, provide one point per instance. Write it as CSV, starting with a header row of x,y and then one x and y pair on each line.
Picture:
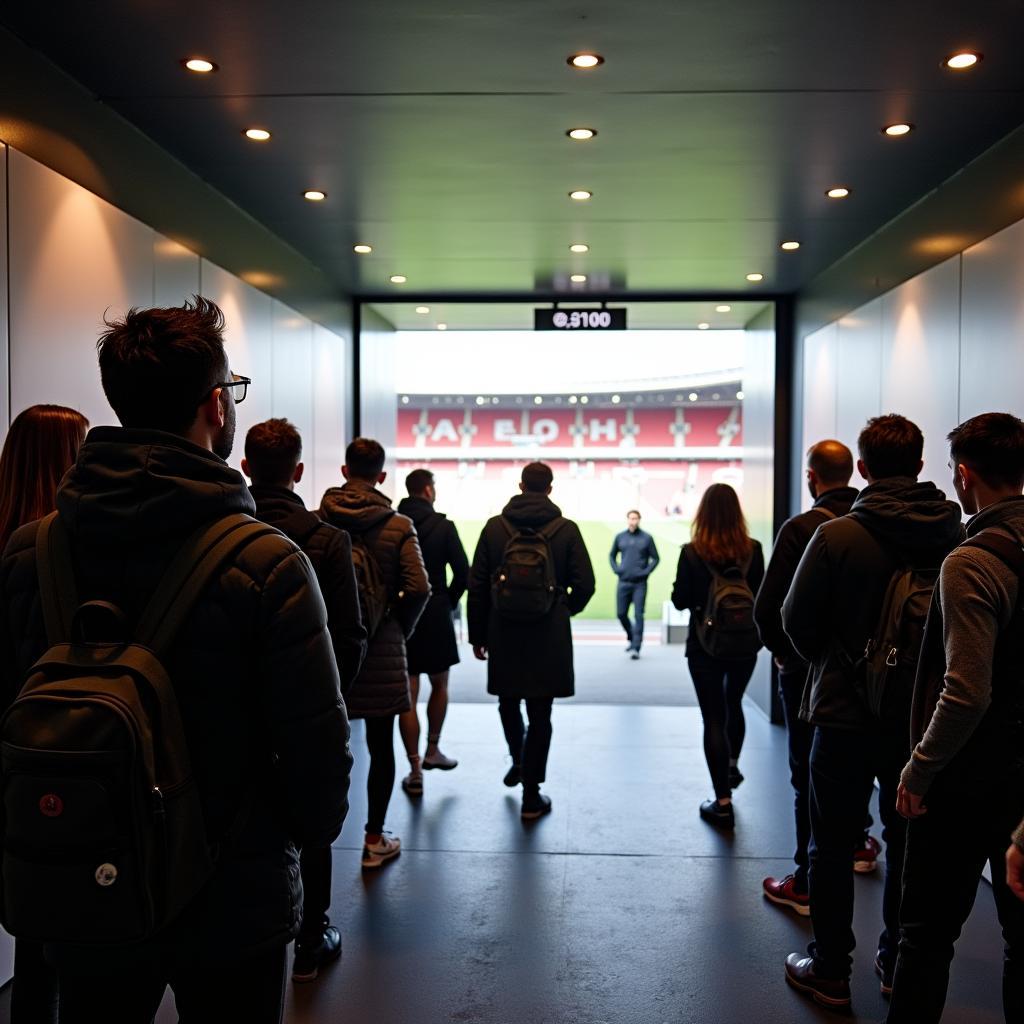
x,y
438,130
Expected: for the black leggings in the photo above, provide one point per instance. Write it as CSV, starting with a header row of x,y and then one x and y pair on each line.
x,y
380,741
720,686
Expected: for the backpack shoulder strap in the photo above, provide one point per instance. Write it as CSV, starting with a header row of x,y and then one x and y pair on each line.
x,y
548,530
199,559
55,569
1003,547
509,528
826,512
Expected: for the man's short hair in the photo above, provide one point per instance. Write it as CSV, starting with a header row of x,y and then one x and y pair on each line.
x,y
991,444
537,477
891,445
364,458
273,449
418,481
831,461
634,512
158,365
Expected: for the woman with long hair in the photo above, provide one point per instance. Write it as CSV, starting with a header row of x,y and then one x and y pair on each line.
x,y
41,446
718,574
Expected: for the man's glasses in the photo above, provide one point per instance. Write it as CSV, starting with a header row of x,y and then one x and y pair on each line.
x,y
239,388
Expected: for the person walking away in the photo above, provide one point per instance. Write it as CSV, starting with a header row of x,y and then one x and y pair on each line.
x,y
387,540
41,446
634,556
829,468
718,573
856,612
530,574
432,649
253,673
963,788
273,462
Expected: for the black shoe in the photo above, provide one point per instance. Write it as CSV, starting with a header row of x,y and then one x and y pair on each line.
x,y
735,778
635,655
831,992
629,648
886,974
718,814
513,776
309,959
535,805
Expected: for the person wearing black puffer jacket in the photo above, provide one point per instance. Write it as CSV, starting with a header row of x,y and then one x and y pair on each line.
x,y
831,613
273,454
252,666
530,660
382,691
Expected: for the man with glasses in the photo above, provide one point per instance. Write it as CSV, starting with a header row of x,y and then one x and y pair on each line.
x,y
252,666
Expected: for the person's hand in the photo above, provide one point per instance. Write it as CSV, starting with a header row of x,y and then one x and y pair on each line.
x,y
1015,870
480,653
910,805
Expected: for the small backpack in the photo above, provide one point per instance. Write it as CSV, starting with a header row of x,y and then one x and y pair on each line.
x,y
725,627
374,600
104,839
524,587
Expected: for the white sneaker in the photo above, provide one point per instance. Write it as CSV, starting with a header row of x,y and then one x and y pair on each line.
x,y
375,855
438,760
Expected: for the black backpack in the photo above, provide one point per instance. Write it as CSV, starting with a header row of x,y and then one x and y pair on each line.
x,y
524,587
374,600
103,833
725,626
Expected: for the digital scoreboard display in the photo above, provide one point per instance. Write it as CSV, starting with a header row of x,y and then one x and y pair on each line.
x,y
579,319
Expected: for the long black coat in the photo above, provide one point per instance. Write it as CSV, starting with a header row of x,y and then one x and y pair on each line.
x,y
529,659
253,670
432,648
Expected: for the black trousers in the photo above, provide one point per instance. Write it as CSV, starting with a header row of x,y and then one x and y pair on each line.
x,y
528,747
34,992
720,686
250,990
965,827
799,734
635,594
844,766
315,867
380,741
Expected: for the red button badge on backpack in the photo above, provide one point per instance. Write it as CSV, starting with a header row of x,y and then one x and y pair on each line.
x,y
51,805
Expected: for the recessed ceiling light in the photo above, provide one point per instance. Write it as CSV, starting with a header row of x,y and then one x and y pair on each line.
x,y
963,60
442,327
755,277
200,65
581,134
579,247
257,134
790,246
839,192
578,278
693,396
423,310
398,279
896,130
703,327
314,195
580,194
585,60
362,249
723,309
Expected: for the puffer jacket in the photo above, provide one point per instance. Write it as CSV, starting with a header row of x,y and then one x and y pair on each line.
x,y
835,601
359,508
253,669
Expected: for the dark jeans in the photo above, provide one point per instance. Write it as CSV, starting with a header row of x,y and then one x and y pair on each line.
x,y
34,992
380,741
720,686
799,734
844,766
634,593
965,827
251,990
315,866
528,747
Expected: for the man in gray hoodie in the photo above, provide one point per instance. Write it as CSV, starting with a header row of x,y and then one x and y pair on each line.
x,y
963,788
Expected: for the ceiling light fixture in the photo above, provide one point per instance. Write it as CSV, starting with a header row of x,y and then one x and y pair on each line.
x,y
257,134
581,134
580,195
578,278
894,131
585,60
703,326
442,327
200,65
723,309
755,277
963,60
790,246
314,195
362,249
579,247
398,279
839,192
423,310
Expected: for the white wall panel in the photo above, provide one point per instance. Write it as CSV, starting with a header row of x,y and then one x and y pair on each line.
x,y
992,325
248,337
292,383
73,257
920,358
378,409
820,375
330,390
175,272
859,372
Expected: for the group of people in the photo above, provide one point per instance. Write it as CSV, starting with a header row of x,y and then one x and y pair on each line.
x,y
335,614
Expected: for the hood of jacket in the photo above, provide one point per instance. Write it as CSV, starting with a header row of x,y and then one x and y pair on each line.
x,y
1007,514
283,509
356,506
130,485
531,509
909,515
419,510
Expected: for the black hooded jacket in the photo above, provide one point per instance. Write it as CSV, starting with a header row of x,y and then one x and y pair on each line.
x,y
836,598
253,670
329,550
529,659
441,547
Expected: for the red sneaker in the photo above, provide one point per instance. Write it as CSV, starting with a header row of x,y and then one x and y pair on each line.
x,y
865,860
783,892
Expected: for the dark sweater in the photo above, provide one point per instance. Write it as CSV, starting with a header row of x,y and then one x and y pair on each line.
x,y
633,556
